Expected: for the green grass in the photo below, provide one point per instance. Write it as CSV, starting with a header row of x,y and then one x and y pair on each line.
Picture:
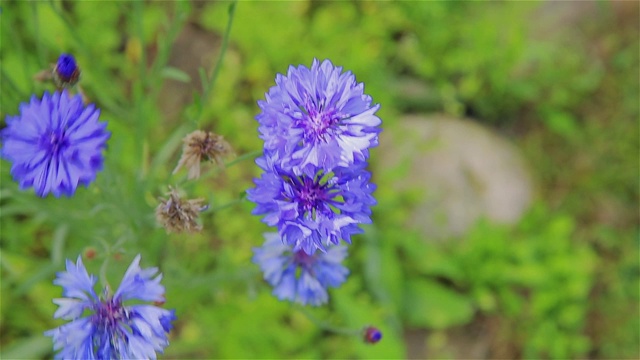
x,y
560,284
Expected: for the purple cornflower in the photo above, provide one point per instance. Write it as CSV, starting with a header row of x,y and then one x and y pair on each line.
x,y
318,116
54,144
315,208
109,329
297,276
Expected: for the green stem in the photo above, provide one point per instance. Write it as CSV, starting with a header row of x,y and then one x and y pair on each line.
x,y
243,157
165,44
229,204
207,86
103,273
210,171
328,327
140,90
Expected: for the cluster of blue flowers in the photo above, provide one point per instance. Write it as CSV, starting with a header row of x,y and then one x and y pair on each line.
x,y
317,125
54,145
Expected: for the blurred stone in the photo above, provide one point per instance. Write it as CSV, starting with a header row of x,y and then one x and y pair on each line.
x,y
464,170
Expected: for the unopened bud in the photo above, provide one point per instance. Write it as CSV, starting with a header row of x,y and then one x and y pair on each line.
x,y
66,72
372,335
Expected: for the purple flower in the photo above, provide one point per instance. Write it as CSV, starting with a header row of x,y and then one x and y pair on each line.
x,y
54,144
109,329
297,276
314,208
319,117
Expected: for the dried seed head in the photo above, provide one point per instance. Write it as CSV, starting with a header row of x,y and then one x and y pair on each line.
x,y
199,145
177,215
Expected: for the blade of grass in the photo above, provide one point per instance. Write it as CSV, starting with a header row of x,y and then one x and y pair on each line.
x,y
208,85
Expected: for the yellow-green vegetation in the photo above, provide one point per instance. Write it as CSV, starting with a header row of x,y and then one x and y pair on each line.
x,y
562,283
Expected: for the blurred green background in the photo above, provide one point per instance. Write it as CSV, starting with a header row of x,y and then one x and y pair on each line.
x,y
558,80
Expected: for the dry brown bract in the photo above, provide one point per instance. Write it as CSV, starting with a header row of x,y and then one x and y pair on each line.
x,y
198,145
177,215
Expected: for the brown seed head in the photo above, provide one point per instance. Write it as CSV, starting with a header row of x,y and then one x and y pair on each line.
x,y
177,215
199,146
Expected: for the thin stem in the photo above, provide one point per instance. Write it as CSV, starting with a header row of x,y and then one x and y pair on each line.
x,y
243,157
328,327
139,89
103,272
212,169
164,45
229,204
216,70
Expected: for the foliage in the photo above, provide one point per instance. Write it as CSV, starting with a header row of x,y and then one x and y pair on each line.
x,y
560,284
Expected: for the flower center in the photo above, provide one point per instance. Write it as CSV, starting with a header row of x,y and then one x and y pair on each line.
x,y
314,195
55,142
311,196
319,122
304,260
109,314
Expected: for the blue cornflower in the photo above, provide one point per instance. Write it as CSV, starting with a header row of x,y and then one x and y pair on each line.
x,y
297,276
54,144
66,71
318,116
109,329
314,208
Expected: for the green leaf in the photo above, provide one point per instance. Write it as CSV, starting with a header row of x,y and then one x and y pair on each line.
x,y
431,305
175,74
562,123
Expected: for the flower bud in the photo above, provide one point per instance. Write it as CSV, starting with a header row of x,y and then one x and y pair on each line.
x,y
372,335
66,72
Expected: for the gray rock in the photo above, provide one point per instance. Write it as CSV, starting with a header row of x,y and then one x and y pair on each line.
x,y
465,171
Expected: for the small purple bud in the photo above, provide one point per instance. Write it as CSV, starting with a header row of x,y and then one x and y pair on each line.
x,y
372,335
66,72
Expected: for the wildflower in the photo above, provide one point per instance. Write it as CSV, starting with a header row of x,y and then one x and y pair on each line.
x,y
66,72
54,144
198,145
297,276
372,335
318,116
178,215
315,208
104,327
